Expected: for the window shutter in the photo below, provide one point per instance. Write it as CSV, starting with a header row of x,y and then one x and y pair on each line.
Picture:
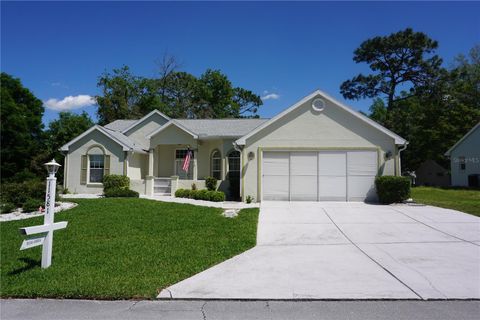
x,y
106,165
83,170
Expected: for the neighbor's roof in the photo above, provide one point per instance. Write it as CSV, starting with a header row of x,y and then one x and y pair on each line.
x,y
120,125
398,140
462,139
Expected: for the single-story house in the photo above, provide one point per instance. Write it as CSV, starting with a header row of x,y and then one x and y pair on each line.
x,y
430,173
318,149
465,159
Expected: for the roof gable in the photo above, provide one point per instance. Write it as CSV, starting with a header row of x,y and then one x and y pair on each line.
x,y
462,139
119,138
320,94
169,124
142,120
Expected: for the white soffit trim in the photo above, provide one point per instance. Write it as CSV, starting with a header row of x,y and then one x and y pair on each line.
x,y
172,122
145,117
95,127
398,140
462,139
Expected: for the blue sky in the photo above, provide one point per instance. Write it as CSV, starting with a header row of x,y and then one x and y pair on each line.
x,y
58,49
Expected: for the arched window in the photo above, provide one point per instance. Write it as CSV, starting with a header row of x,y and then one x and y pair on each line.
x,y
96,165
216,165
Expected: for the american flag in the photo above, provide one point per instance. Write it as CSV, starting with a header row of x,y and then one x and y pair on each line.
x,y
186,161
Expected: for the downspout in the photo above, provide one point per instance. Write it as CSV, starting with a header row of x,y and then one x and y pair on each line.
x,y
399,169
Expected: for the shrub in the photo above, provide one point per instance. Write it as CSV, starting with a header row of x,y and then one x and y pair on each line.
x,y
7,207
203,194
194,186
120,193
217,196
32,205
18,193
181,193
392,189
194,194
211,183
115,181
249,199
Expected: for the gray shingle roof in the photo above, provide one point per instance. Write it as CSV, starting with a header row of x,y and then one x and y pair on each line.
x,y
209,128
134,145
119,125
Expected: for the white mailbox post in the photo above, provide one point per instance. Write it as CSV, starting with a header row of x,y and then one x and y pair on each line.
x,y
43,234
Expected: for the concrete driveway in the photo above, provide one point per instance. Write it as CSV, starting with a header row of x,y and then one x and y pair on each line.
x,y
327,250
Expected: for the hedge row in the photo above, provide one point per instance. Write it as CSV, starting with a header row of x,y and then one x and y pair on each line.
x,y
207,195
120,193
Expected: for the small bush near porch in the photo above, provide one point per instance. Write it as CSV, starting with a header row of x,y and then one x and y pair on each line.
x,y
122,249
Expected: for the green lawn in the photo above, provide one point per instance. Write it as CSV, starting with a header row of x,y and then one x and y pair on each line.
x,y
122,249
459,199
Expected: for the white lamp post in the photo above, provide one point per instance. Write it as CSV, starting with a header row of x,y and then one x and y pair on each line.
x,y
44,233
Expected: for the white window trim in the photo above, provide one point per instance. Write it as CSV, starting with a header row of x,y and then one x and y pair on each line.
x,y
88,171
221,162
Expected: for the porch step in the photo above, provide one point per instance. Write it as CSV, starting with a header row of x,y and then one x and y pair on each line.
x,y
162,186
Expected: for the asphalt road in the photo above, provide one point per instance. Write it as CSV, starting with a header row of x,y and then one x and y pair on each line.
x,y
21,309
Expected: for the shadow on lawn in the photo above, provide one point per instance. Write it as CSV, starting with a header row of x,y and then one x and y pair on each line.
x,y
30,264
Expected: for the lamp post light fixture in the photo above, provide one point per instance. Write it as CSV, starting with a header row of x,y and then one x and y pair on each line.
x,y
43,234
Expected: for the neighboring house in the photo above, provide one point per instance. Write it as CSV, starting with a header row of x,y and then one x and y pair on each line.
x,y
430,173
465,159
318,149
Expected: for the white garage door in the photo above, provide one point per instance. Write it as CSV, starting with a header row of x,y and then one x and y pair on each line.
x,y
319,176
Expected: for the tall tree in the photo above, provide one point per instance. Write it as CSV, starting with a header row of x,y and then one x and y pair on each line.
x,y
433,120
122,92
178,94
21,129
401,59
62,130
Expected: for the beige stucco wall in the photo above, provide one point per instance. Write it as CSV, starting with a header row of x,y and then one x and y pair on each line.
x,y
470,149
147,126
80,148
137,166
306,129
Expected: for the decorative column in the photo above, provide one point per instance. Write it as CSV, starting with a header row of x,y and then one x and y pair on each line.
x,y
149,178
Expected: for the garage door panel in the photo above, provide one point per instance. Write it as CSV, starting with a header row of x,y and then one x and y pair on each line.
x,y
303,163
332,188
362,163
275,188
303,188
276,163
360,187
332,163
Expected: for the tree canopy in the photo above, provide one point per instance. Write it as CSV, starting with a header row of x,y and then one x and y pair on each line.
x,y
433,120
404,58
21,129
177,94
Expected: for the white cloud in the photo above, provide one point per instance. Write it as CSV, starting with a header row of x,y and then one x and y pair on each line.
x,y
70,102
270,96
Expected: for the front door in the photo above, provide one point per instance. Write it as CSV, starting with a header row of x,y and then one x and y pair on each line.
x,y
234,174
